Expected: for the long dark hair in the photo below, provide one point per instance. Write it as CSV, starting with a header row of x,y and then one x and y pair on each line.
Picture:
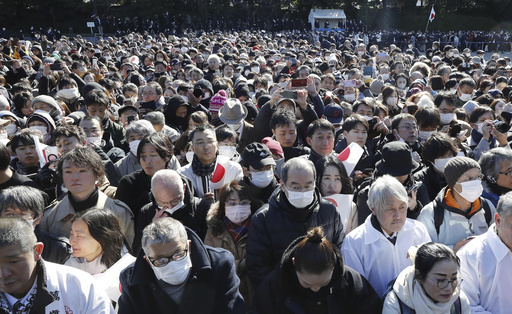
x,y
330,160
105,228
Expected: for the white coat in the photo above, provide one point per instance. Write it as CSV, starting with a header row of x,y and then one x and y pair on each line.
x,y
370,253
70,290
454,227
233,173
486,270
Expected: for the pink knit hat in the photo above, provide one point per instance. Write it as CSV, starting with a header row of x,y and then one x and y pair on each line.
x,y
218,101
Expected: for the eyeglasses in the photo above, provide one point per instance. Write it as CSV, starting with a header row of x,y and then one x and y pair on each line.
x,y
148,94
162,261
172,203
409,127
441,284
507,173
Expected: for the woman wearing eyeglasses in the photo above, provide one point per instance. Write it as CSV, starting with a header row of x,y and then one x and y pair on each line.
x,y
458,213
431,285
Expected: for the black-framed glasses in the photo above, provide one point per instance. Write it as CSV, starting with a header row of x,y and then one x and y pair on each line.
x,y
441,284
162,261
507,173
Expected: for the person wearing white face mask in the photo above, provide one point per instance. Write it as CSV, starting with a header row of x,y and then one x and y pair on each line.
x,y
228,221
134,134
296,207
171,195
173,268
258,166
465,91
458,213
41,121
485,135
438,149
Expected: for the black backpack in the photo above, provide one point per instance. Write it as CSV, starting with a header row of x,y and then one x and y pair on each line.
x,y
439,214
405,309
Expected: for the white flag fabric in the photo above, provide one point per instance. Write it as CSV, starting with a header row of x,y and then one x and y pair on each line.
x,y
350,156
343,203
46,153
432,15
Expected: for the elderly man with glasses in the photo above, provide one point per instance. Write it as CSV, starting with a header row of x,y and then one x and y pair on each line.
x,y
176,273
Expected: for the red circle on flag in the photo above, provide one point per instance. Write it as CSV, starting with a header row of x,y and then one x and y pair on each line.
x,y
218,174
344,154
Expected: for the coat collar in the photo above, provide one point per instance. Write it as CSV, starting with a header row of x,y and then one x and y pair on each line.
x,y
373,235
499,249
61,214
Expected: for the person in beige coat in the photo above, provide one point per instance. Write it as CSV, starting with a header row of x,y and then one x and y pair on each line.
x,y
79,170
228,221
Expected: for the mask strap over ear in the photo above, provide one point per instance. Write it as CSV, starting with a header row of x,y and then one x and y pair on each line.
x,y
491,179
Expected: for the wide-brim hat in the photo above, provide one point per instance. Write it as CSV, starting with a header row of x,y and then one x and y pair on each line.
x,y
232,112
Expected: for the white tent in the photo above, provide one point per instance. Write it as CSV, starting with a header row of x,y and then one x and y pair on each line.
x,y
332,17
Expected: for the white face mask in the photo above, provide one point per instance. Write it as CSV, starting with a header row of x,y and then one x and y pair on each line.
x,y
262,179
350,97
189,156
367,118
255,69
447,117
401,85
467,54
175,208
174,273
300,199
94,139
42,129
69,93
391,101
425,134
440,163
385,76
465,97
471,190
3,136
453,90
360,52
133,146
236,75
228,151
479,127
11,129
238,213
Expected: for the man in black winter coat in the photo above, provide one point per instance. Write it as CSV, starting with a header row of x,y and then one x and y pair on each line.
x,y
176,273
292,211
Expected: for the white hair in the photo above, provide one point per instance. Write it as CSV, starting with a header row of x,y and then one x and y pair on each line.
x,y
383,190
168,178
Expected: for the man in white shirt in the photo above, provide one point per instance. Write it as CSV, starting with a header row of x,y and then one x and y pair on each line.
x,y
486,264
378,248
30,285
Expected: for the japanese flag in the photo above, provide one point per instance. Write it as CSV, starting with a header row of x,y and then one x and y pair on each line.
x,y
46,153
218,177
432,15
343,203
350,156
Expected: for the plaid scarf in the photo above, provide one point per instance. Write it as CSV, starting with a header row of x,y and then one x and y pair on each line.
x,y
202,170
236,231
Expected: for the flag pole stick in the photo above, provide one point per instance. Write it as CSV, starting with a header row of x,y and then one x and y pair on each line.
x,y
428,21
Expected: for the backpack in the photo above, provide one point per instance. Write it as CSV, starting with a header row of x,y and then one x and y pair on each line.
x,y
405,309
439,214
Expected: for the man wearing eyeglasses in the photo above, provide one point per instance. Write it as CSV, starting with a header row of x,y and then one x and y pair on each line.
x,y
486,261
176,273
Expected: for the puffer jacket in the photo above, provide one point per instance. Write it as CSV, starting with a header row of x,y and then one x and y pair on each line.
x,y
272,229
347,292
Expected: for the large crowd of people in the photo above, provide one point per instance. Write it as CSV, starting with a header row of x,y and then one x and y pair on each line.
x,y
237,172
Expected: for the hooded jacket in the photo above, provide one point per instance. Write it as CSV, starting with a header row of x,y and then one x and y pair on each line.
x,y
212,285
347,292
411,293
457,224
272,229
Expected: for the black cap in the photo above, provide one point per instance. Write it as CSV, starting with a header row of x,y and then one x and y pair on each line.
x,y
127,107
257,155
396,160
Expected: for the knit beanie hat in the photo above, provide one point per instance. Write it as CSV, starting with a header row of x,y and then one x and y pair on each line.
x,y
456,167
218,101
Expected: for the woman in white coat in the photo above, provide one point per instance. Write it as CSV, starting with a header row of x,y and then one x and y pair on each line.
x,y
430,286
